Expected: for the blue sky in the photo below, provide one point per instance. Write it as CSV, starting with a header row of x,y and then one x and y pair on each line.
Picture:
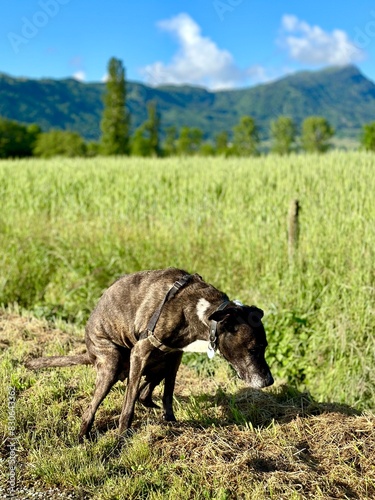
x,y
214,43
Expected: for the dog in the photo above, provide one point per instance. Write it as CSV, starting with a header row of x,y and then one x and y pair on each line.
x,y
144,322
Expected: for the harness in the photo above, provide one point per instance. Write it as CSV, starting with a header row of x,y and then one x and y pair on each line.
x,y
149,332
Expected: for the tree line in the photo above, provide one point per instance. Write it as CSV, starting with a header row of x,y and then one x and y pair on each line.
x,y
18,140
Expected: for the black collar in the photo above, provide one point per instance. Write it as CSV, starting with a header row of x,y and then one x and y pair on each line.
x,y
212,341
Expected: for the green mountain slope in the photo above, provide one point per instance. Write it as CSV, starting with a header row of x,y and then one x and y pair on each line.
x,y
342,94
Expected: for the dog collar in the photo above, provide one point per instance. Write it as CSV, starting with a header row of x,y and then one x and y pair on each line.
x,y
212,341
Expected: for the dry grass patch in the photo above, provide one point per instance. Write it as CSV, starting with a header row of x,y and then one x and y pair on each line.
x,y
230,442
325,456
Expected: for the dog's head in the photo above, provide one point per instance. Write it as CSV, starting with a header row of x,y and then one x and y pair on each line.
x,y
241,339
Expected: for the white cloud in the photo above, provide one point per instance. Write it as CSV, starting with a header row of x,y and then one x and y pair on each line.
x,y
198,60
80,76
309,44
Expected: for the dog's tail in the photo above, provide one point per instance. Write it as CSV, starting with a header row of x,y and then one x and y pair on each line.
x,y
58,361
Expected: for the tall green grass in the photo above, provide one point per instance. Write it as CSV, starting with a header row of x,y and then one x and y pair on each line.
x,y
68,228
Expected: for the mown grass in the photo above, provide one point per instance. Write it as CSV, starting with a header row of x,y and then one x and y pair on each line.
x,y
230,442
68,228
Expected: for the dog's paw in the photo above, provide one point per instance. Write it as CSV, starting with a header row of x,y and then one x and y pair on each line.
x,y
169,417
148,403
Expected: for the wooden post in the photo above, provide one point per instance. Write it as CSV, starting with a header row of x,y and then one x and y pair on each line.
x,y
293,228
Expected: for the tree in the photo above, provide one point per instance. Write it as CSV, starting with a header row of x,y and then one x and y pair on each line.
x,y
33,132
115,118
152,127
316,133
60,143
207,149
145,141
189,141
283,132
92,149
368,136
16,139
170,147
246,137
221,143
140,144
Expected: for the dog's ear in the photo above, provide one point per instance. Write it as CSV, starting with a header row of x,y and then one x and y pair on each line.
x,y
223,314
256,311
254,316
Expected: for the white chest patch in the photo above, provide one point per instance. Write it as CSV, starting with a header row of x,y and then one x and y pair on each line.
x,y
200,345
197,346
202,306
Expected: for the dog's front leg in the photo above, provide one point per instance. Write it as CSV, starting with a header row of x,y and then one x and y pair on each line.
x,y
170,379
138,360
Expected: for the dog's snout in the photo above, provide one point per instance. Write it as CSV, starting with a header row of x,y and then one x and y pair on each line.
x,y
257,381
268,380
265,381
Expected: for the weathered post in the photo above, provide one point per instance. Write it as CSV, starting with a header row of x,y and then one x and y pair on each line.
x,y
293,228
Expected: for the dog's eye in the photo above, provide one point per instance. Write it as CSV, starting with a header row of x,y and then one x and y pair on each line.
x,y
233,327
255,351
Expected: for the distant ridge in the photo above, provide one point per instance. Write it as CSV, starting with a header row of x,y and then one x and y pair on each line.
x,y
342,94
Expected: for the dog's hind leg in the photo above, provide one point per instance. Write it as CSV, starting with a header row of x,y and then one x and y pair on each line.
x,y
145,393
108,369
154,373
172,366
164,369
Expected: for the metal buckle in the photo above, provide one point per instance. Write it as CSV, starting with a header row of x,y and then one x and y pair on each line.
x,y
178,285
211,349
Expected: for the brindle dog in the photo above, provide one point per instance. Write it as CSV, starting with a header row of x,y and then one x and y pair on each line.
x,y
137,330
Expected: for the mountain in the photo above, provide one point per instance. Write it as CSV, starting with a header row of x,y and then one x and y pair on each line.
x,y
341,94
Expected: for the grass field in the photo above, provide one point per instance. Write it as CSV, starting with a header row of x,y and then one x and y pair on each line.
x,y
68,228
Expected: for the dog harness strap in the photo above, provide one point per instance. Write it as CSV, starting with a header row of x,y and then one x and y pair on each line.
x,y
169,295
149,332
159,345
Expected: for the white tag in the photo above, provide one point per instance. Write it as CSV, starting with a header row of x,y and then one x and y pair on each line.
x,y
237,302
197,346
210,352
